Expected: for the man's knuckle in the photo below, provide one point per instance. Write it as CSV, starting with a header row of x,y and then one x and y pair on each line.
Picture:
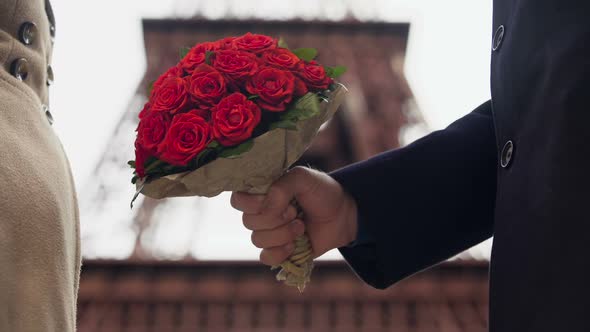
x,y
233,201
255,238
299,171
275,192
266,257
247,221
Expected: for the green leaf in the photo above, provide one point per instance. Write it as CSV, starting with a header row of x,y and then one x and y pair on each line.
x,y
153,166
183,52
306,54
291,115
282,43
307,106
213,145
335,72
253,97
131,163
202,158
235,151
284,124
168,168
208,55
137,192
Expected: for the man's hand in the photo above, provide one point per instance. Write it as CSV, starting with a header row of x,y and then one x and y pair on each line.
x,y
329,214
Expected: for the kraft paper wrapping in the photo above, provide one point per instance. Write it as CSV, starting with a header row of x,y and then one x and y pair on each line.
x,y
252,171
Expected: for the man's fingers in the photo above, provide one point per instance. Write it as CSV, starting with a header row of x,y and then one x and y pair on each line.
x,y
247,203
259,222
298,181
276,255
281,236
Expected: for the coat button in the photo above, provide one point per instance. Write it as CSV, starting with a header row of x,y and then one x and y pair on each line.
x,y
45,109
51,19
28,33
498,37
49,75
507,153
52,32
20,69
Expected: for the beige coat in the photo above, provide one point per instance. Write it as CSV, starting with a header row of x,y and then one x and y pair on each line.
x,y
39,235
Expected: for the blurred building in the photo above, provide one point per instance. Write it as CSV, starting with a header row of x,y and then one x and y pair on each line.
x,y
144,274
376,115
373,116
144,296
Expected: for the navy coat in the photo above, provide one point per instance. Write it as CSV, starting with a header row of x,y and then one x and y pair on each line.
x,y
516,168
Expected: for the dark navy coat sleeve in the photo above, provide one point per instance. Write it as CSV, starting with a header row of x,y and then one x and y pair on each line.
x,y
423,203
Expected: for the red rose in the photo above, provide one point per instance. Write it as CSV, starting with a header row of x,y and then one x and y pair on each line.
x,y
172,72
152,130
235,65
300,87
226,43
205,114
254,43
196,56
172,96
234,119
207,86
284,59
274,87
141,156
281,58
314,76
189,134
145,111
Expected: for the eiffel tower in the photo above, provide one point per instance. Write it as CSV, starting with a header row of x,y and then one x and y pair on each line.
x,y
378,113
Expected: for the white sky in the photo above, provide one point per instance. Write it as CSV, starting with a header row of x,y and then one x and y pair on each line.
x,y
99,60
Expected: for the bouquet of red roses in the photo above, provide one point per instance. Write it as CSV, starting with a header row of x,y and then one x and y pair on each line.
x,y
234,115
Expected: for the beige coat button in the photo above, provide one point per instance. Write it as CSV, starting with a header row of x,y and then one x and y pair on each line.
x,y
45,109
28,33
52,32
20,69
49,75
